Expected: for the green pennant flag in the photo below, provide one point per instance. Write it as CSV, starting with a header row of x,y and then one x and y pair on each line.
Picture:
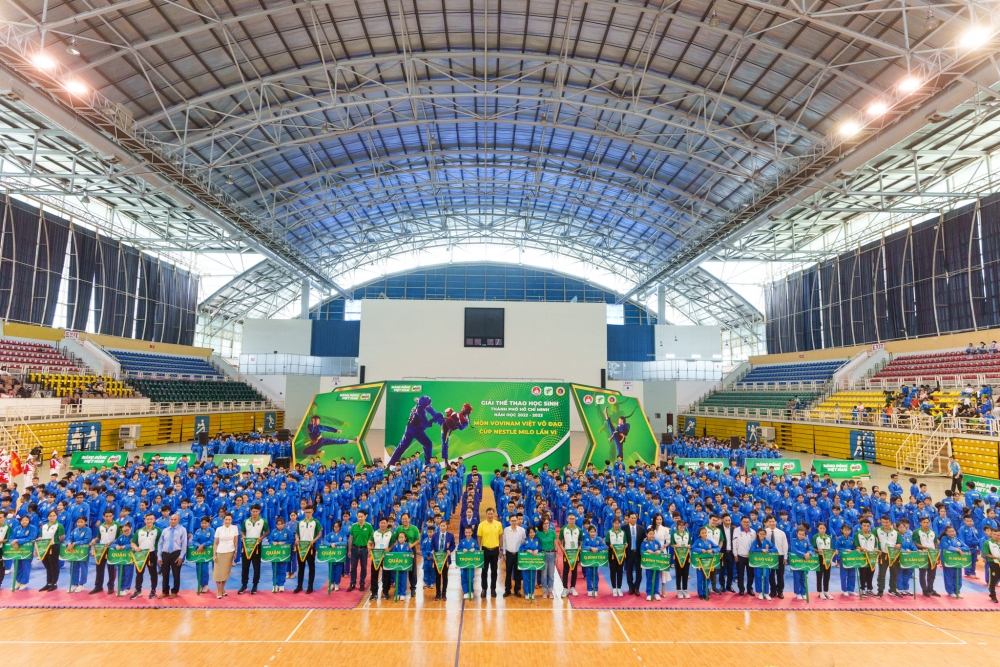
x,y
42,547
139,558
932,559
707,563
118,557
303,549
250,545
682,553
572,556
23,551
378,555
468,560
276,553
956,559
619,552
852,560
593,558
799,563
894,554
656,561
99,551
440,560
909,560
203,556
527,561
826,557
78,554
329,553
764,561
398,561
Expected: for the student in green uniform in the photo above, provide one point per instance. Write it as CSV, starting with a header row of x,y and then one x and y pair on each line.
x,y
308,531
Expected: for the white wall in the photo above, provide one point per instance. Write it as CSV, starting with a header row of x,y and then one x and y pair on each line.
x,y
271,386
299,393
277,336
424,340
690,391
686,341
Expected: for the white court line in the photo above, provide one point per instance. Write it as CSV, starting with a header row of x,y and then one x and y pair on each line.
x,y
308,613
614,616
928,623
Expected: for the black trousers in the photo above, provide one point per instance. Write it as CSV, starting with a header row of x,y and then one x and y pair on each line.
x,y
245,574
412,576
865,575
726,569
441,581
51,562
893,570
171,566
743,570
99,579
3,569
569,576
633,573
153,574
311,562
681,573
956,483
491,558
777,577
927,577
359,556
823,579
993,576
617,571
511,572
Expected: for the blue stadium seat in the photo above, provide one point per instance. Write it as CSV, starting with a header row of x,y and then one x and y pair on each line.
x,y
817,371
170,366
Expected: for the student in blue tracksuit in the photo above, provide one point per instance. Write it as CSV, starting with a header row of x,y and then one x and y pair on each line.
x,y
952,575
590,574
906,544
762,577
651,545
468,543
200,539
124,543
400,577
800,547
336,538
79,538
848,576
703,545
282,534
426,548
531,546
972,538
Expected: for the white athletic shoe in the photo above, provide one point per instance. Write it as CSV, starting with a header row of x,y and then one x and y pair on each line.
x,y
336,587
565,593
573,591
760,596
649,598
657,597
766,596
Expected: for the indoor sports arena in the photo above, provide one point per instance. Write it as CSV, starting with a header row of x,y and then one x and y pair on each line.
x,y
442,333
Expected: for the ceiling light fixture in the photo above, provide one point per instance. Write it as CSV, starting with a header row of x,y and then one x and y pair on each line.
x,y
75,87
932,23
71,48
849,129
632,156
43,61
877,108
975,37
909,84
229,180
84,199
713,21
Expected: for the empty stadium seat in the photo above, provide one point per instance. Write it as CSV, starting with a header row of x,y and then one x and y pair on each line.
x,y
764,400
195,391
945,365
63,384
35,356
816,371
171,366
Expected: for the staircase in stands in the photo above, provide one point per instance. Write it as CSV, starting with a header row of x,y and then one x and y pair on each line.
x,y
924,452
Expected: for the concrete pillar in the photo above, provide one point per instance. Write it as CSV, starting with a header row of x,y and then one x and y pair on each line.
x,y
305,300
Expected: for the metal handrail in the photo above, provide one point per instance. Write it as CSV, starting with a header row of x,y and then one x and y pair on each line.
x,y
132,408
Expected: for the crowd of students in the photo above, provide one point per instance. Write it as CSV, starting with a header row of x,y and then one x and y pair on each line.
x,y
243,443
639,517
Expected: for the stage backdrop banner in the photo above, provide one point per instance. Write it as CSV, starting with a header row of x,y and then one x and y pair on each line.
x,y
841,469
88,460
781,466
510,422
336,424
598,407
170,459
694,463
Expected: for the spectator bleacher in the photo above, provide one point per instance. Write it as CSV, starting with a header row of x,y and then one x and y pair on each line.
x,y
63,385
764,400
34,356
816,371
195,391
944,365
170,366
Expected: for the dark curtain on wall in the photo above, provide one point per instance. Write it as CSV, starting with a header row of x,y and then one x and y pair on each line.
x,y
953,276
82,263
48,270
32,254
106,284
899,300
989,213
923,242
148,297
868,317
128,278
188,307
165,320
21,231
830,299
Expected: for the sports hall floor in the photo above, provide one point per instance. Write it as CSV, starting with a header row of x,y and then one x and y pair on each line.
x,y
496,632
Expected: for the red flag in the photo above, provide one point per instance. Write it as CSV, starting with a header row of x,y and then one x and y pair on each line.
x,y
15,465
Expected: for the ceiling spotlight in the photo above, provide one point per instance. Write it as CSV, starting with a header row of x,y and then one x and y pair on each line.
x,y
975,37
43,61
909,84
849,129
84,199
713,20
71,49
75,87
932,23
877,108
631,156
229,180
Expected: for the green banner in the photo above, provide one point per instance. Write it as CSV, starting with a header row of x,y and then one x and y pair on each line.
x,y
327,553
510,423
119,557
526,561
440,560
956,559
78,554
204,556
23,551
983,485
88,460
169,459
799,563
276,553
852,560
590,558
602,412
693,464
768,561
841,469
655,561
398,561
246,462
779,466
465,560
707,563
909,560
336,424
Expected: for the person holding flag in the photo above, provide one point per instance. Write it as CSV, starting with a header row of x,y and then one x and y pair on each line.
x,y
651,545
703,545
926,540
254,529
952,575
844,543
681,538
569,540
822,542
202,539
4,534
336,538
800,547
22,534
593,544
468,543
379,542
442,543
144,545
307,533
79,537
532,546
49,555
888,557
124,543
866,542
615,539
991,555
107,533
761,576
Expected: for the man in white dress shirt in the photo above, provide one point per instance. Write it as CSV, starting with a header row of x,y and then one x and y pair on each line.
x,y
780,539
743,537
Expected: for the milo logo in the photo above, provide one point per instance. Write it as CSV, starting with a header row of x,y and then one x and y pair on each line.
x,y
855,467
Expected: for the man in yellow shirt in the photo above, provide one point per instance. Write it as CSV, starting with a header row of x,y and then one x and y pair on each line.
x,y
489,534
